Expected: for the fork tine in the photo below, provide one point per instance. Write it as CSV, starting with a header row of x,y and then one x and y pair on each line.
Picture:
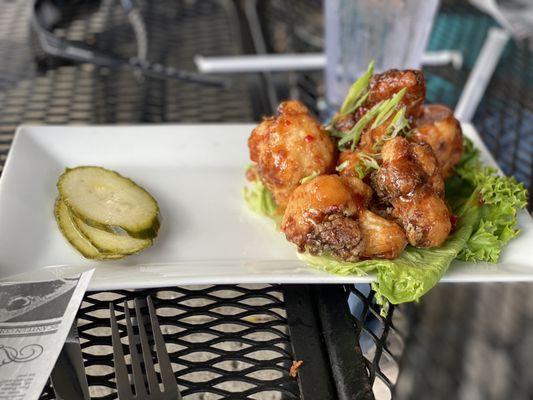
x,y
138,379
121,372
153,383
167,376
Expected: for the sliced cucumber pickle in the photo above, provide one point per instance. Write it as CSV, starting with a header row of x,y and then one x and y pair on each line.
x,y
106,200
69,229
110,243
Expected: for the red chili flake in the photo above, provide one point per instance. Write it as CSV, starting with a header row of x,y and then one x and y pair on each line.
x,y
252,174
453,220
294,368
309,138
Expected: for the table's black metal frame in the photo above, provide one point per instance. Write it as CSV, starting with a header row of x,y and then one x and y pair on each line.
x,y
321,331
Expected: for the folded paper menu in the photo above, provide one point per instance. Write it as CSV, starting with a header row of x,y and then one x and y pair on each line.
x,y
35,318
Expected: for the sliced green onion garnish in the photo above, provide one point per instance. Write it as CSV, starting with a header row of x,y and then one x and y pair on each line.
x,y
355,133
388,108
342,166
360,171
358,88
397,125
308,178
368,162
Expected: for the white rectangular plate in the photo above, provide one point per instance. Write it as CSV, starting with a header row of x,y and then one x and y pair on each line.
x,y
208,236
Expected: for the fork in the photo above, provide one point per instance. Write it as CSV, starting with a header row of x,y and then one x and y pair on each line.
x,y
170,387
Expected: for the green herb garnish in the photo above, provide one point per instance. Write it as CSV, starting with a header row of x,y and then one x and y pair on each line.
x,y
368,162
387,109
355,98
357,91
382,112
308,178
342,166
397,125
355,133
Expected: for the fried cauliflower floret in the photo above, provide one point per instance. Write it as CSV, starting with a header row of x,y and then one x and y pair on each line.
x,y
381,238
372,139
437,127
399,174
350,161
323,216
424,156
358,186
410,181
424,216
289,147
384,86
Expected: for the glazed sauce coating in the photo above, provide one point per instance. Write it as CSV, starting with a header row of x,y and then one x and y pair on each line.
x,y
289,147
327,215
438,127
384,86
398,201
411,182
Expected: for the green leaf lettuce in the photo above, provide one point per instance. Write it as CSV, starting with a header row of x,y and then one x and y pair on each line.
x,y
500,198
260,200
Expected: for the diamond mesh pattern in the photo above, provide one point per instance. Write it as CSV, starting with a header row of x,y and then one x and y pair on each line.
x,y
223,341
506,118
381,338
81,94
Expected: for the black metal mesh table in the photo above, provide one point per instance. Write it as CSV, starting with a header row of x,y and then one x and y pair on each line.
x,y
237,341
232,337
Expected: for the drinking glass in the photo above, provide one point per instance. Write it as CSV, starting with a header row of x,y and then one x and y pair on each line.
x,y
393,33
